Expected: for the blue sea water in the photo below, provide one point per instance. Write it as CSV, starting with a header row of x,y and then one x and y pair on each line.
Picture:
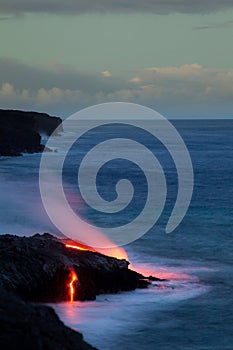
x,y
194,309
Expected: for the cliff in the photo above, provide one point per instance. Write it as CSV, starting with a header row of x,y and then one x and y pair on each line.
x,y
20,131
38,269
29,326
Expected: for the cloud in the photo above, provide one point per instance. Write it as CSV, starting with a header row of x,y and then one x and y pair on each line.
x,y
9,16
225,24
4,18
189,90
23,76
106,73
116,6
135,80
53,87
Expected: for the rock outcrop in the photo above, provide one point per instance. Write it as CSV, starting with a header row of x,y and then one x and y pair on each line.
x,y
37,269
30,326
21,131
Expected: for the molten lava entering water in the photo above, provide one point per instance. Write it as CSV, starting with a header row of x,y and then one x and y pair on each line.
x,y
71,286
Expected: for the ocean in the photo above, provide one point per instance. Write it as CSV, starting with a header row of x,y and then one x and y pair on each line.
x,y
194,308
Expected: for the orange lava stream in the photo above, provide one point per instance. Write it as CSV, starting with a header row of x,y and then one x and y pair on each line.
x,y
74,278
115,252
76,247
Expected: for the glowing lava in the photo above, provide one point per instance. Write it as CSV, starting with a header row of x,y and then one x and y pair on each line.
x,y
71,286
115,252
78,247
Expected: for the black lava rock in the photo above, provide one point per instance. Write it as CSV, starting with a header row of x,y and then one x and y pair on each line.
x,y
20,131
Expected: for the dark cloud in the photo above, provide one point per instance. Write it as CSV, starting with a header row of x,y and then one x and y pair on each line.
x,y
54,88
116,6
23,76
182,91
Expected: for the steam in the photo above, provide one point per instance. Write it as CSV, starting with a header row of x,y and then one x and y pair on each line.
x,y
22,213
75,226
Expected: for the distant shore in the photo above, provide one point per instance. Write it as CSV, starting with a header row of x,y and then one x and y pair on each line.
x,y
20,131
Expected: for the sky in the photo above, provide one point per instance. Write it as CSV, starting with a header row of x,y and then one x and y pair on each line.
x,y
175,56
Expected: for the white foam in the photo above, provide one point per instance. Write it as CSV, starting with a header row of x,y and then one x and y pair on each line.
x,y
110,315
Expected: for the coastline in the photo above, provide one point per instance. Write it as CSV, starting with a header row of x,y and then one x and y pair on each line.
x,y
37,269
20,131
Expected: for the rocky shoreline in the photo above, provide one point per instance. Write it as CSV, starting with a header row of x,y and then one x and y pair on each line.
x,y
20,132
30,326
37,269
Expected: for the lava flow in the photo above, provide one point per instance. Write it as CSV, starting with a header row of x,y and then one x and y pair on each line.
x,y
78,247
115,252
74,278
